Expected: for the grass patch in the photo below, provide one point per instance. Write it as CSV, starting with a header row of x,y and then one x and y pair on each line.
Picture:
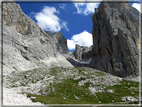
x,y
119,91
100,73
54,100
65,93
63,88
68,88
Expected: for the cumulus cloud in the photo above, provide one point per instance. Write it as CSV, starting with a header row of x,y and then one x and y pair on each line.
x,y
83,39
48,20
137,6
85,8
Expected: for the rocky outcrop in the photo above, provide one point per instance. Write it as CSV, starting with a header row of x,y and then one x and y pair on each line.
x,y
60,41
82,53
26,45
116,39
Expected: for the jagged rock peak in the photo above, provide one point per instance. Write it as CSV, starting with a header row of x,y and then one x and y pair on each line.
x,y
60,41
116,39
82,53
115,4
49,33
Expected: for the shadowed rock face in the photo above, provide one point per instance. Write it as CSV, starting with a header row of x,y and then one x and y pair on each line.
x,y
116,39
60,41
82,53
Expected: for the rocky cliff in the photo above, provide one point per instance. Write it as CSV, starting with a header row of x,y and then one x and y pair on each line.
x,y
82,53
26,45
116,39
115,42
79,58
60,41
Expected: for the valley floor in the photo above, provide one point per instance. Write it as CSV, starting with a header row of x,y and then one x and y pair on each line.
x,y
58,85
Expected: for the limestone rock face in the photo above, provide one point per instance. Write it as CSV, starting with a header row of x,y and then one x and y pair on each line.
x,y
16,18
25,45
116,39
60,41
82,53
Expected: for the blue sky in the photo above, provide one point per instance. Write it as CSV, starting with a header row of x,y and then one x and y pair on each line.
x,y
72,19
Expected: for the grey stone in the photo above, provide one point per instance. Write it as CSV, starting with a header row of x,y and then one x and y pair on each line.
x,y
76,97
26,46
27,76
110,91
129,98
99,101
60,41
32,98
82,53
82,77
116,39
13,72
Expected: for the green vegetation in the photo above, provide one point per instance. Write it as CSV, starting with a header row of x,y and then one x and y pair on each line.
x,y
64,93
58,86
119,92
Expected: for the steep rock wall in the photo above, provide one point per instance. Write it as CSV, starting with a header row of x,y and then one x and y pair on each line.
x,y
82,53
116,39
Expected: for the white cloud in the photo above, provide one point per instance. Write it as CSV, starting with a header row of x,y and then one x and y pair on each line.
x,y
83,39
86,8
62,6
48,20
64,25
71,44
137,6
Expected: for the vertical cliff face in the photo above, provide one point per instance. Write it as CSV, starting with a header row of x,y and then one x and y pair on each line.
x,y
60,41
82,53
116,39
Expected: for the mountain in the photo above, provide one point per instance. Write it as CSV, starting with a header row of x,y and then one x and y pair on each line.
x,y
116,39
26,46
82,53
73,85
60,41
38,64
